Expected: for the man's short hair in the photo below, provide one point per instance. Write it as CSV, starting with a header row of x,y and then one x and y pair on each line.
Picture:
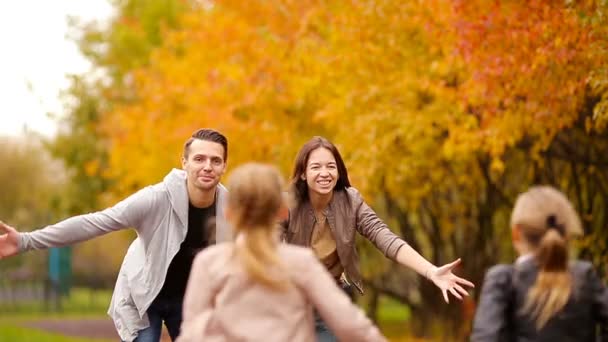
x,y
209,135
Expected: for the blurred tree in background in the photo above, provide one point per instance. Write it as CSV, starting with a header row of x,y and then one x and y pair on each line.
x,y
31,181
31,195
444,111
114,49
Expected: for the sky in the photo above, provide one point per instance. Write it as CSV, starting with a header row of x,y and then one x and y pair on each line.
x,y
36,56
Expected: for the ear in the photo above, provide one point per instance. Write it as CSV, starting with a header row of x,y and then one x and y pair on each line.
x,y
516,234
184,161
303,177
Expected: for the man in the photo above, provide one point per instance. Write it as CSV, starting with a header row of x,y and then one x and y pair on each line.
x,y
172,223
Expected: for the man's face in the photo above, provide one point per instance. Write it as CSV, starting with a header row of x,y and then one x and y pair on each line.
x,y
205,164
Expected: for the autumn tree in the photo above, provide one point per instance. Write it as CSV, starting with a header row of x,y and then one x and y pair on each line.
x,y
31,185
444,111
529,81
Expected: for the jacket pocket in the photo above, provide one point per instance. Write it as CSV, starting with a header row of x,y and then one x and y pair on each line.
x,y
127,320
124,311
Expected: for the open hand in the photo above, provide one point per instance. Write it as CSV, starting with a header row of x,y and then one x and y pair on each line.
x,y
446,281
9,241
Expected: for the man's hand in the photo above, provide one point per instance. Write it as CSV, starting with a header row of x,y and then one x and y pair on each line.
x,y
9,241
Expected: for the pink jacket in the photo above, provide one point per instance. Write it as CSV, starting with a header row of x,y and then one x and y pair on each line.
x,y
223,304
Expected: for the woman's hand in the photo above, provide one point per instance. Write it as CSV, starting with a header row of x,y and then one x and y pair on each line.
x,y
446,281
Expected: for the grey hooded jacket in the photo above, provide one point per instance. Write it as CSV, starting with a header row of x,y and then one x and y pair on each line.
x,y
159,214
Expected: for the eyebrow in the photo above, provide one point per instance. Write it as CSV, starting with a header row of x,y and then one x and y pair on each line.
x,y
318,163
207,156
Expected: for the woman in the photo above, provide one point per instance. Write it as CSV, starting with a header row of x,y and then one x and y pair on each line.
x,y
243,291
542,296
327,214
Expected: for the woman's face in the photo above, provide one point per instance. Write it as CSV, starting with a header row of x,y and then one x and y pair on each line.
x,y
321,173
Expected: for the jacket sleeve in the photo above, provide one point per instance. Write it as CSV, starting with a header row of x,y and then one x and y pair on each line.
x,y
345,319
373,228
600,302
127,213
492,314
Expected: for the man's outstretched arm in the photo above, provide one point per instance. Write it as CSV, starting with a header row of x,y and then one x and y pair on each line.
x,y
125,214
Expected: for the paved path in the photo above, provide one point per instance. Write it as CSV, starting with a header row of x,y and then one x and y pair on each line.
x,y
89,328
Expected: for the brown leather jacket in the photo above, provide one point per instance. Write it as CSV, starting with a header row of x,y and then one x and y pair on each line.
x,y
346,214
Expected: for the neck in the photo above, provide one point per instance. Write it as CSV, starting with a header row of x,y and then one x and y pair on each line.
x,y
522,248
319,202
201,198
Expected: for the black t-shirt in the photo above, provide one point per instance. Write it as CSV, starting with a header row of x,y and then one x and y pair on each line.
x,y
201,227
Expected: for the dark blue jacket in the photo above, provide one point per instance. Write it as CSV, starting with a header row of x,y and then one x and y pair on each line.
x,y
499,316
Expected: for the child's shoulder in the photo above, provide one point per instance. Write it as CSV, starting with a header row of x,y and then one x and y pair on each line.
x,y
582,268
500,269
214,252
295,253
501,274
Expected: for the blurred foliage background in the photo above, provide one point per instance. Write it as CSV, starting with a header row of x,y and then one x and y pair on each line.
x,y
444,111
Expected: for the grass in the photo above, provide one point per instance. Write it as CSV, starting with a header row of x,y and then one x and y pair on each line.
x,y
393,318
82,303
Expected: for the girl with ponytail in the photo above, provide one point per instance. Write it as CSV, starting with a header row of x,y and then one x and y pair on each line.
x,y
258,289
543,296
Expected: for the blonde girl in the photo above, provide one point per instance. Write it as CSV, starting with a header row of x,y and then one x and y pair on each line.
x,y
543,296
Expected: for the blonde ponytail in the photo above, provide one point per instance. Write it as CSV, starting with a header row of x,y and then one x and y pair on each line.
x,y
254,200
259,256
547,220
553,285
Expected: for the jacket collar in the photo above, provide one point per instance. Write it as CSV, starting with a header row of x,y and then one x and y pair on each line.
x,y
308,212
524,258
175,183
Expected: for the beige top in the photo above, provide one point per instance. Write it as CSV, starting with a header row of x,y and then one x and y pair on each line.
x,y
223,304
324,246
